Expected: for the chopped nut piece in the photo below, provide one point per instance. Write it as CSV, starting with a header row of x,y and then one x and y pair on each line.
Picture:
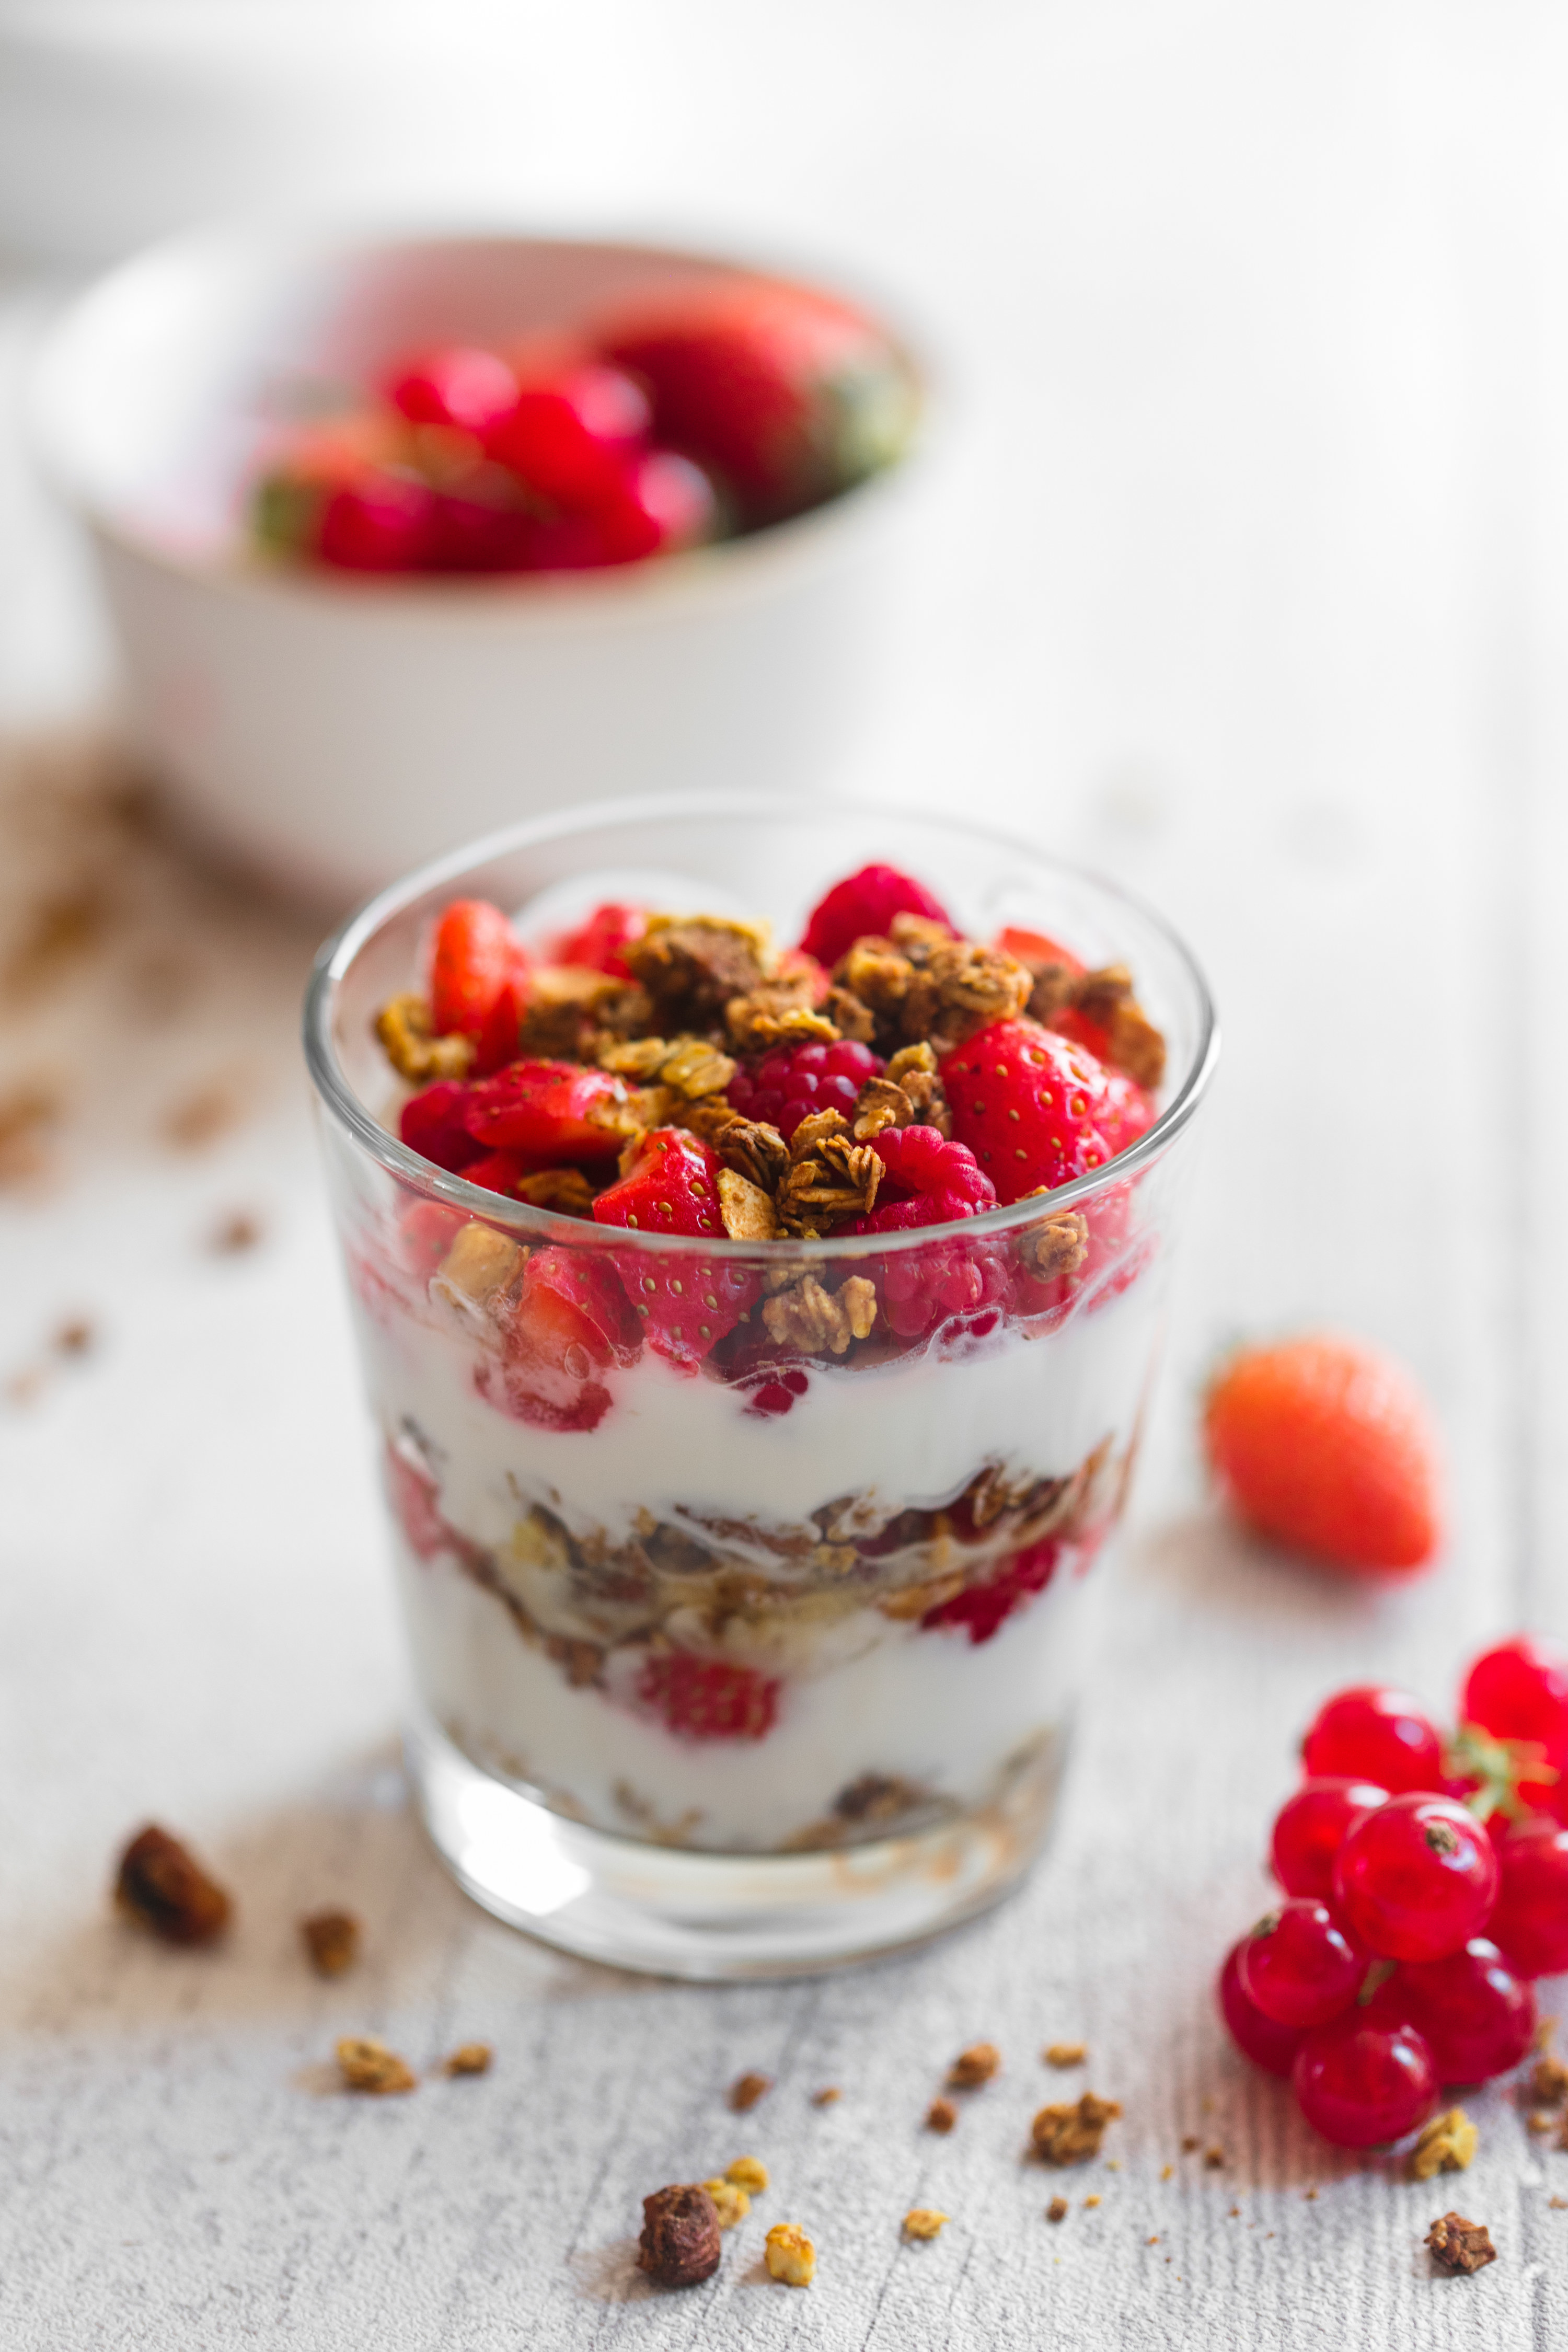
x,y
1091,2201
880,1104
1071,2135
1057,2210
816,1320
790,2255
746,1209
748,2172
412,1047
1446,2145
1056,1249
331,1941
1214,2159
940,2116
469,2058
1539,2120
826,2097
679,2242
973,2066
1460,2245
235,1233
1190,2144
731,2201
479,1262
747,2089
923,2222
1065,2054
565,1189
161,1886
1549,2081
368,2065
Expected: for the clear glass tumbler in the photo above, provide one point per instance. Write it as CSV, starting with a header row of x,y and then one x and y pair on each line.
x,y
755,1666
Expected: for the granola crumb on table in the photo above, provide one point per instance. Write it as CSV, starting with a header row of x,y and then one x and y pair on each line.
x,y
730,2203
332,1940
368,2065
973,2066
1065,2054
827,2097
940,2116
1446,2145
680,2244
1072,2134
789,2255
923,2222
469,2058
1214,2159
746,2090
1459,2245
748,2172
161,1886
1057,2210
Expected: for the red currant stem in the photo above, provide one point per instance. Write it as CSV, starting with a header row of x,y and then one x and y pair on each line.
x,y
1377,1977
1499,1765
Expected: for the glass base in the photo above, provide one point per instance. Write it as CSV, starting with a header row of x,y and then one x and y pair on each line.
x,y
712,1917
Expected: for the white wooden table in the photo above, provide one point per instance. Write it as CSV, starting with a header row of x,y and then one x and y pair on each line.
x,y
1250,585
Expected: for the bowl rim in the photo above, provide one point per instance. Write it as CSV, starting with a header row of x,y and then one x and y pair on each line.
x,y
411,1170
242,568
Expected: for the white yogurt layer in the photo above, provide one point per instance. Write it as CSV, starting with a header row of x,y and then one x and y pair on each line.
x,y
911,1432
956,1719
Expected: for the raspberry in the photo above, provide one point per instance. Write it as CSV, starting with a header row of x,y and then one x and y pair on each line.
x,y
1373,1732
983,1608
791,1083
1273,2047
687,1303
479,968
555,1111
930,1181
600,944
1310,1828
1530,1921
862,907
1036,949
570,1321
707,1698
1360,2080
1324,1446
1417,1878
1298,1966
433,1122
1476,2013
1035,1109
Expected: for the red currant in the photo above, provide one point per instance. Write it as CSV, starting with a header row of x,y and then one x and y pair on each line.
x,y
1475,2011
1360,2080
1530,1921
1272,2047
1297,1965
1417,1878
1519,1690
1310,1829
573,435
457,385
1375,1734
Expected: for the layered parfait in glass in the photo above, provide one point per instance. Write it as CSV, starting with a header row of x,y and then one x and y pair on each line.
x,y
758,1225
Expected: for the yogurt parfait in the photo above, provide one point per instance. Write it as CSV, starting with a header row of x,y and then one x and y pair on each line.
x,y
759,1248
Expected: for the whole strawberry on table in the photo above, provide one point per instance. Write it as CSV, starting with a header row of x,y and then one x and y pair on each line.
x,y
722,406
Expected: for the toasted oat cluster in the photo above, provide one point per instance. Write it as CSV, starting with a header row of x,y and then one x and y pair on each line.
x,y
161,1886
1072,2134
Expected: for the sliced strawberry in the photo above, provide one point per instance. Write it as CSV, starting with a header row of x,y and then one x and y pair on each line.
x,y
862,907
1034,1109
982,1608
500,1171
476,958
600,944
412,1495
687,1304
554,1110
455,385
789,395
1036,947
572,436
432,1122
571,1322
426,1231
707,1698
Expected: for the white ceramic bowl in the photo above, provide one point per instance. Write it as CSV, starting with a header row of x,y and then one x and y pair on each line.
x,y
331,730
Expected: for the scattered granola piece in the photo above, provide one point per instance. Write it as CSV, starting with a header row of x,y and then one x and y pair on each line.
x,y
1091,2201
923,2222
1545,2033
469,2058
679,2245
748,2172
1166,2171
161,1886
1460,2245
1446,2145
331,1941
565,1189
1065,2054
60,932
202,1115
746,1209
1549,2081
1113,2164
235,1233
1057,2210
1558,2204
1190,2144
817,1321
1151,2241
731,2201
412,1046
1309,2196
973,2066
25,1112
1213,2160
1071,2135
368,2065
747,2089
790,2255
940,2116
77,1338
827,2097
692,965
1539,2120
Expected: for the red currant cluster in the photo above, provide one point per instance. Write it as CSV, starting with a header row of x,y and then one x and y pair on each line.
x,y
1425,1884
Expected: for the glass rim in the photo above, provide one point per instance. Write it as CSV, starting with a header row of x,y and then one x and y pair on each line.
x,y
411,1169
